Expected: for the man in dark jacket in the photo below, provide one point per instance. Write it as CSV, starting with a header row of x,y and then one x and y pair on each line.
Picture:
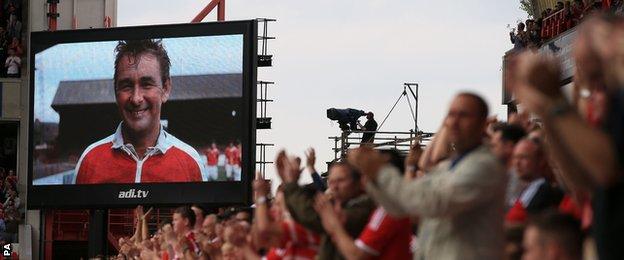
x,y
370,125
346,190
528,161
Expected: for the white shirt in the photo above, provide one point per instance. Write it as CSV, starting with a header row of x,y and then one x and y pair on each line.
x,y
13,63
529,192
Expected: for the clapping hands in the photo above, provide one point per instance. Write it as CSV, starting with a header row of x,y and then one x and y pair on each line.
x,y
287,168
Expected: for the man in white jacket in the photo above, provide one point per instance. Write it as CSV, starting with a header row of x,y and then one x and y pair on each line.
x,y
460,201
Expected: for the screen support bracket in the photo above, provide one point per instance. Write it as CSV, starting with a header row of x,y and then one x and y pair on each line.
x,y
98,239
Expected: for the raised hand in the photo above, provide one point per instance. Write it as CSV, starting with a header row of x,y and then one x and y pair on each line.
x,y
366,160
280,164
310,159
537,81
147,214
329,218
261,187
287,168
139,212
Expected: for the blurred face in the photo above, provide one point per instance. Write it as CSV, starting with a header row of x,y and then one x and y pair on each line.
x,y
228,253
341,184
596,47
533,247
209,225
219,228
502,149
525,160
214,146
140,92
180,224
242,216
464,124
536,135
278,206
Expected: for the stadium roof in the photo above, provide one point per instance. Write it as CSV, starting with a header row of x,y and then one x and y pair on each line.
x,y
194,87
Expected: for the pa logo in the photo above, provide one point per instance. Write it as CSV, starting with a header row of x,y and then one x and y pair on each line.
x,y
7,250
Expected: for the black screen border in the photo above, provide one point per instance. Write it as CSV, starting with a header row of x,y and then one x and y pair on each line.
x,y
160,194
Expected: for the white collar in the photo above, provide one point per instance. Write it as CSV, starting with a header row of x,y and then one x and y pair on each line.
x,y
530,191
162,143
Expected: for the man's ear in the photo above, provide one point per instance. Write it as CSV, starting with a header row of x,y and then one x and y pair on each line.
x,y
166,90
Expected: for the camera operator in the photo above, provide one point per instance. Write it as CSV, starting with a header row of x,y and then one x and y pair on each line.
x,y
369,126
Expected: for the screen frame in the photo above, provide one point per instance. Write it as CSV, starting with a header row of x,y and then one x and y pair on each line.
x,y
160,194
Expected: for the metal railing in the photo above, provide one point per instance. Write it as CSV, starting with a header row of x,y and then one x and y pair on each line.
x,y
400,141
261,160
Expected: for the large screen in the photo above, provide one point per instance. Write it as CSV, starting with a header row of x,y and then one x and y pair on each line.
x,y
152,115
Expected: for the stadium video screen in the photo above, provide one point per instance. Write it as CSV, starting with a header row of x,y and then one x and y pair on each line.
x,y
152,114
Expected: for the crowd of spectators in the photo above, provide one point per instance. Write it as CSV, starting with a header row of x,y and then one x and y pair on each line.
x,y
11,207
564,15
545,184
11,46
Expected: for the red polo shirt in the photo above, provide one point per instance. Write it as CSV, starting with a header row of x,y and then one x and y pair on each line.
x,y
386,237
110,160
213,156
297,243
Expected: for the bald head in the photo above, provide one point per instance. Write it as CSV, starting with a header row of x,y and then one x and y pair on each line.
x,y
528,158
466,121
480,106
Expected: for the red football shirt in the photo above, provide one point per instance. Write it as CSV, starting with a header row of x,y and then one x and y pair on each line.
x,y
232,155
236,159
213,156
111,161
386,237
297,243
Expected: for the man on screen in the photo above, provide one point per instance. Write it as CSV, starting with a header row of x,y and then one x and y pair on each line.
x,y
140,150
212,156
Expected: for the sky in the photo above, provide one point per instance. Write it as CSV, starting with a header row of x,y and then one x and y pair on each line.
x,y
357,54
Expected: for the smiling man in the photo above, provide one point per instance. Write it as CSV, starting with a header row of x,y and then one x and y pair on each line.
x,y
140,150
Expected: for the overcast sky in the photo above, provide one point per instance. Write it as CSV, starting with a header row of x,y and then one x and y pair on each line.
x,y
358,54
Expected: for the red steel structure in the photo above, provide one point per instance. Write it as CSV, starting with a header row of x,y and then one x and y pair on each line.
x,y
52,14
220,4
73,226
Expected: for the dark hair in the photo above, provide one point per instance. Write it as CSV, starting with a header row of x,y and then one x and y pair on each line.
x,y
513,133
521,25
482,106
395,158
187,213
559,228
539,146
355,174
136,48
